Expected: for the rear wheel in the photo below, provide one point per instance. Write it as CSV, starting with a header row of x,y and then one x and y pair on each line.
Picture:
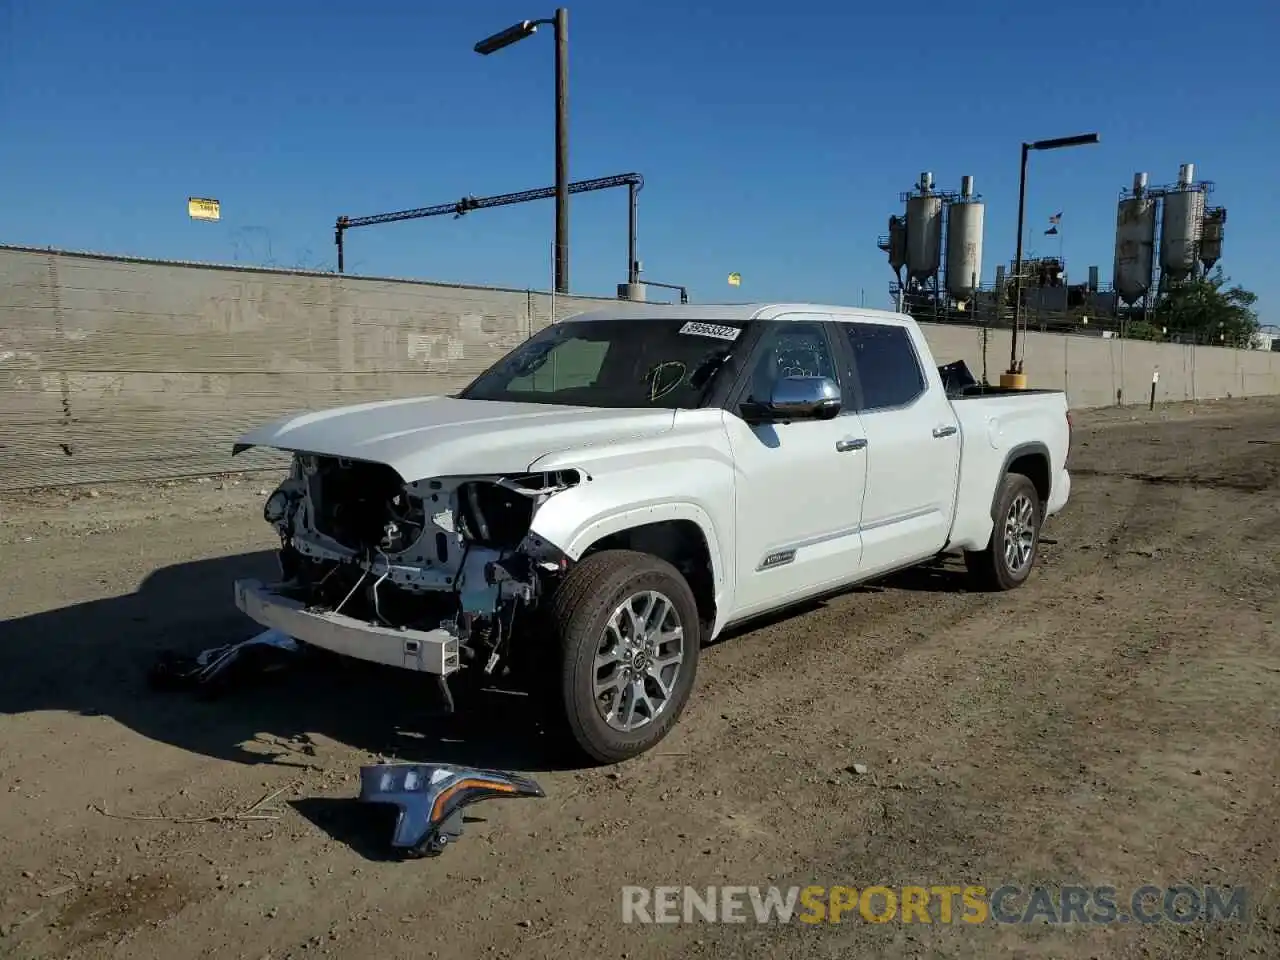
x,y
1015,539
629,639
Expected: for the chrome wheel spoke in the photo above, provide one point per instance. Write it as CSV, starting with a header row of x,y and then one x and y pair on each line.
x,y
641,619
613,682
629,624
626,711
655,614
654,673
669,635
642,697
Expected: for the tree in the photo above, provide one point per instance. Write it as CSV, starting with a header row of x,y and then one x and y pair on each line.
x,y
1206,309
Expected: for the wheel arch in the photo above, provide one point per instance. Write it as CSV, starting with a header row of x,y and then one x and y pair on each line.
x,y
1032,461
680,533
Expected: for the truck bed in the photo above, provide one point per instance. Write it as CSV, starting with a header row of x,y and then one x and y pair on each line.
x,y
978,390
960,384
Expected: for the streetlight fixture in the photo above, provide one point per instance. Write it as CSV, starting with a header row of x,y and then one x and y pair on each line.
x,y
514,34
1015,376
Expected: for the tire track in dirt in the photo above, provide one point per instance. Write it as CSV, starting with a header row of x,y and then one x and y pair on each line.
x,y
1129,686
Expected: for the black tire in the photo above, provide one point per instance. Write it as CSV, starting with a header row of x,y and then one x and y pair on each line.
x,y
990,569
579,613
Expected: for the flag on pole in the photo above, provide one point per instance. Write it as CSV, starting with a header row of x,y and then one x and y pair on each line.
x,y
735,279
1051,232
1056,218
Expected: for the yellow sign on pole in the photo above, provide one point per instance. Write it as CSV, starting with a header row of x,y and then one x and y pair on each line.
x,y
735,279
202,208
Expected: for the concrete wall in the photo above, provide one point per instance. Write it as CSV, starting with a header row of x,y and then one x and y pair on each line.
x,y
1097,372
116,369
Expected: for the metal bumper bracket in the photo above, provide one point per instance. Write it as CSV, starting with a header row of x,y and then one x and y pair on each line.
x,y
424,651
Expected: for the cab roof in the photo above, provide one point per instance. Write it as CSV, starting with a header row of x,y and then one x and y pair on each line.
x,y
736,312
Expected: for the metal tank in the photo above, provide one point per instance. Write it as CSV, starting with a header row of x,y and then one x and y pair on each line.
x,y
1180,226
924,231
1135,242
1211,231
964,242
897,244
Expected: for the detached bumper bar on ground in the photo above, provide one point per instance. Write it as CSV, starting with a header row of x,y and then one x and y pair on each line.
x,y
425,651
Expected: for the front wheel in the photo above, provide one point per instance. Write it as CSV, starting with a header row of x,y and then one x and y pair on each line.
x,y
1015,539
629,638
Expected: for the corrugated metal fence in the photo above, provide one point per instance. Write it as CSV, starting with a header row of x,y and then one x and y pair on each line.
x,y
119,369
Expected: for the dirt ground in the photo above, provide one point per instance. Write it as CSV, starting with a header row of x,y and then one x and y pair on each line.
x,y
1115,722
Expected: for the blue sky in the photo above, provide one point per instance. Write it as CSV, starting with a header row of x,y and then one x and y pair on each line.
x,y
774,138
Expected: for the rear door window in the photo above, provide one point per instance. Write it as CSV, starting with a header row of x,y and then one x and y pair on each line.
x,y
886,365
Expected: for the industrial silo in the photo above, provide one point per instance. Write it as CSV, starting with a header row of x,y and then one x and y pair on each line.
x,y
1135,242
924,231
964,242
1180,226
1211,231
897,246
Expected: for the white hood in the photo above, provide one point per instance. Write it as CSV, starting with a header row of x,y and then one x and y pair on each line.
x,y
425,437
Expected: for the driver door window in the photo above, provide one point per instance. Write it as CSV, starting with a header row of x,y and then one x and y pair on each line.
x,y
790,349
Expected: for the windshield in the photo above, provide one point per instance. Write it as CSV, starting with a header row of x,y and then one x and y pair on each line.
x,y
612,363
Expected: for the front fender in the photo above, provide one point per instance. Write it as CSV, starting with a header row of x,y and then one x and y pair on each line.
x,y
574,534
685,475
574,520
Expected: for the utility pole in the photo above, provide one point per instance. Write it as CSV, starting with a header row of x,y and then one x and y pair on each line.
x,y
562,149
1014,376
513,34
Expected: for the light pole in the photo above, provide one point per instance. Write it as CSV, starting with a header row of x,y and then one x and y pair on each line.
x,y
1015,369
513,34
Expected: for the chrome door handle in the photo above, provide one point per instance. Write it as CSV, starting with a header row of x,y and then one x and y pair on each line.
x,y
844,446
944,431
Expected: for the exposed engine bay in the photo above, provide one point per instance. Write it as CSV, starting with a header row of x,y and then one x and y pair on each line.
x,y
453,553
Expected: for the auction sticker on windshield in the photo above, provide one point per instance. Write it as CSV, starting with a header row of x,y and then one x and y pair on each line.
x,y
696,329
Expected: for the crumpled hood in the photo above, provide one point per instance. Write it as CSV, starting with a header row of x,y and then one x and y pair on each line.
x,y
426,437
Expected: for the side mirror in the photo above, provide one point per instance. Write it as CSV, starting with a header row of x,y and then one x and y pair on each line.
x,y
804,398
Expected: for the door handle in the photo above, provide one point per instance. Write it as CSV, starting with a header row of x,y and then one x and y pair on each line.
x,y
946,431
847,444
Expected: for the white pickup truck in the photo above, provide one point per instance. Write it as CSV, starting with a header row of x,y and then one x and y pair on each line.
x,y
624,485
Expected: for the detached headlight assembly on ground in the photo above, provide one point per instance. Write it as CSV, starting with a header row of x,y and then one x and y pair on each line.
x,y
431,796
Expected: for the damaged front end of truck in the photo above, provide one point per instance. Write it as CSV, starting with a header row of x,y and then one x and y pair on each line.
x,y
434,575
